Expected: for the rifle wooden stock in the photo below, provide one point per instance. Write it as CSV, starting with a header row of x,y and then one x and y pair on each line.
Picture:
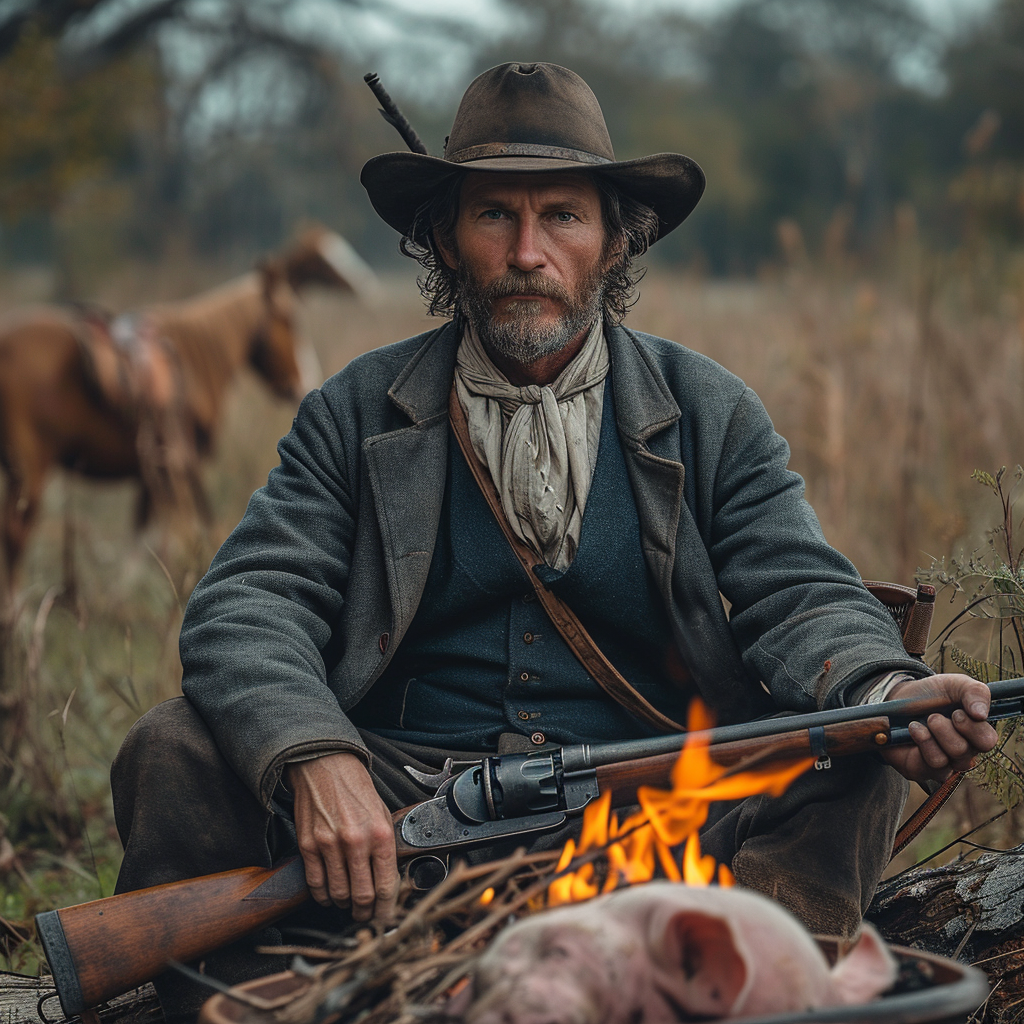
x,y
100,949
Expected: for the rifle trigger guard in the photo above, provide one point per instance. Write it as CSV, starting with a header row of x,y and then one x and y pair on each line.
x,y
819,747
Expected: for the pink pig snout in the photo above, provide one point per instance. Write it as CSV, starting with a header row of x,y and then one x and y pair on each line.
x,y
653,952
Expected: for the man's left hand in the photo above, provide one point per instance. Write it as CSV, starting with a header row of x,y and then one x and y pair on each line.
x,y
943,745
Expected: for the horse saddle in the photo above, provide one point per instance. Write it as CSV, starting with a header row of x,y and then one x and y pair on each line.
x,y
129,364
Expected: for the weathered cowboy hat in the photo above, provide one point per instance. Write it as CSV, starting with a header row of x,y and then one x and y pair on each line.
x,y
531,117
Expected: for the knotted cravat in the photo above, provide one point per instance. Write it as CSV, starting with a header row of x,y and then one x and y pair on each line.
x,y
539,441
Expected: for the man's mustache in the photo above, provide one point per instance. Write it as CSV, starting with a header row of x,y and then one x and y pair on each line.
x,y
517,282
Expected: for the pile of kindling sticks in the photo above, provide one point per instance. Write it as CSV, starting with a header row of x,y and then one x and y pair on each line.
x,y
402,975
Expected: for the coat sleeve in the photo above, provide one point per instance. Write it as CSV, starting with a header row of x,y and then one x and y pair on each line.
x,y
256,624
803,620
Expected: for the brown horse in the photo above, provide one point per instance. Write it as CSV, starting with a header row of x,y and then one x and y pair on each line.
x,y
141,395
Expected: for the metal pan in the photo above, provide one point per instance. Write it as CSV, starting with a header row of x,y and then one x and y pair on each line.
x,y
953,992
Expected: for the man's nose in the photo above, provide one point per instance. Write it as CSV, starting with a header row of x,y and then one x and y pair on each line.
x,y
525,252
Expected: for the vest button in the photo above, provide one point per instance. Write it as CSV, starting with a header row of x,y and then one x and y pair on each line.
x,y
537,738
527,638
524,677
524,715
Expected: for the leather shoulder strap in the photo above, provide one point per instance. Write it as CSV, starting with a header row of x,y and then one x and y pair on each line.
x,y
580,642
915,824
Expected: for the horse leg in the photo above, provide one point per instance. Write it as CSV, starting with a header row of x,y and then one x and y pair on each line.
x,y
20,511
70,596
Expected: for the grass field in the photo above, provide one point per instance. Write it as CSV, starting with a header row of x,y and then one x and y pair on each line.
x,y
890,392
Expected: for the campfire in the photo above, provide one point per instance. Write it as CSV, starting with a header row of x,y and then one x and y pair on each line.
x,y
668,820
401,975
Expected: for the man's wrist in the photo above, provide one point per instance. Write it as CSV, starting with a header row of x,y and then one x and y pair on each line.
x,y
877,690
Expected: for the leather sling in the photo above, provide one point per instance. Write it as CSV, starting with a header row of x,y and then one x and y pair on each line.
x,y
915,824
564,619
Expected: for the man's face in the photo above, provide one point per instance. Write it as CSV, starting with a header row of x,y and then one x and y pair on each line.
x,y
531,260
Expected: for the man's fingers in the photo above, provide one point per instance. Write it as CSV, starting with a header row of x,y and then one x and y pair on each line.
x,y
911,765
387,882
338,863
981,735
364,897
909,762
930,751
976,698
316,877
949,738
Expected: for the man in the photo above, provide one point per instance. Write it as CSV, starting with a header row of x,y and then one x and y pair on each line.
x,y
368,612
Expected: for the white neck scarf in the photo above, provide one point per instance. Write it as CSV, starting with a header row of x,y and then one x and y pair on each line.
x,y
539,441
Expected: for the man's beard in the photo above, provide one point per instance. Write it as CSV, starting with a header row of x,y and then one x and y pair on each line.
x,y
518,335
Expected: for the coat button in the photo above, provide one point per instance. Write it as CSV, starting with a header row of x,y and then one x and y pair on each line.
x,y
538,738
527,638
524,715
524,677
385,639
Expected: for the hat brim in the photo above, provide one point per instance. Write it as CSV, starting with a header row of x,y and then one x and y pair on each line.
x,y
398,184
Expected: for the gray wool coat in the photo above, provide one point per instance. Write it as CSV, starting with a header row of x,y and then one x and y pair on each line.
x,y
308,599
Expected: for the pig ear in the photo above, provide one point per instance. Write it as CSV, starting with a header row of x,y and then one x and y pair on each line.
x,y
868,970
703,949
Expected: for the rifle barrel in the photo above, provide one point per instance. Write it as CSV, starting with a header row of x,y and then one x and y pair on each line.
x,y
586,755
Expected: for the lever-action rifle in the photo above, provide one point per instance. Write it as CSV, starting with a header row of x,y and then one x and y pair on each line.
x,y
100,949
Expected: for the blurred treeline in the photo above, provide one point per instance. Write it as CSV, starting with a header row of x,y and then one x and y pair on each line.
x,y
147,130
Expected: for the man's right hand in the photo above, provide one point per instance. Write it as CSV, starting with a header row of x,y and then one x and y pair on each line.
x,y
345,836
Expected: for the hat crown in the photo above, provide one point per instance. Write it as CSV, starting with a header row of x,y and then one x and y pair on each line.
x,y
528,105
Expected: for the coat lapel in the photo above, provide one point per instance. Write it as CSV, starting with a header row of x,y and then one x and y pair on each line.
x,y
648,417
407,469
644,406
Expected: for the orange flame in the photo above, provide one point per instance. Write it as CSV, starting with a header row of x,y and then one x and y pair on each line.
x,y
638,846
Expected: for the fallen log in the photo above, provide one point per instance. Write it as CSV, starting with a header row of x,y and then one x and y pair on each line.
x,y
968,910
28,1000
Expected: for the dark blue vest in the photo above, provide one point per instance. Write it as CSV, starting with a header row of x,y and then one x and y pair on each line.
x,y
482,658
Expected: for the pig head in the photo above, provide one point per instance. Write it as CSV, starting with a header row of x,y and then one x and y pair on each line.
x,y
664,952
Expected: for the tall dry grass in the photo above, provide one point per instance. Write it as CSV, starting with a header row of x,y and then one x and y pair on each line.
x,y
891,386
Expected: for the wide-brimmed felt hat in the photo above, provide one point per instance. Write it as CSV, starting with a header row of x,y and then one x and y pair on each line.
x,y
533,118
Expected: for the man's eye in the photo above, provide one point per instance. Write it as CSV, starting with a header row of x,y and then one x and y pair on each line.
x,y
493,214
564,216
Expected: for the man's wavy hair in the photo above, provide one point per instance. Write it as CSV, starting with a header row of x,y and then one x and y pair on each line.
x,y
630,229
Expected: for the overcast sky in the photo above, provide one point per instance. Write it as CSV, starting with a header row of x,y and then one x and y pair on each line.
x,y
439,73
943,12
